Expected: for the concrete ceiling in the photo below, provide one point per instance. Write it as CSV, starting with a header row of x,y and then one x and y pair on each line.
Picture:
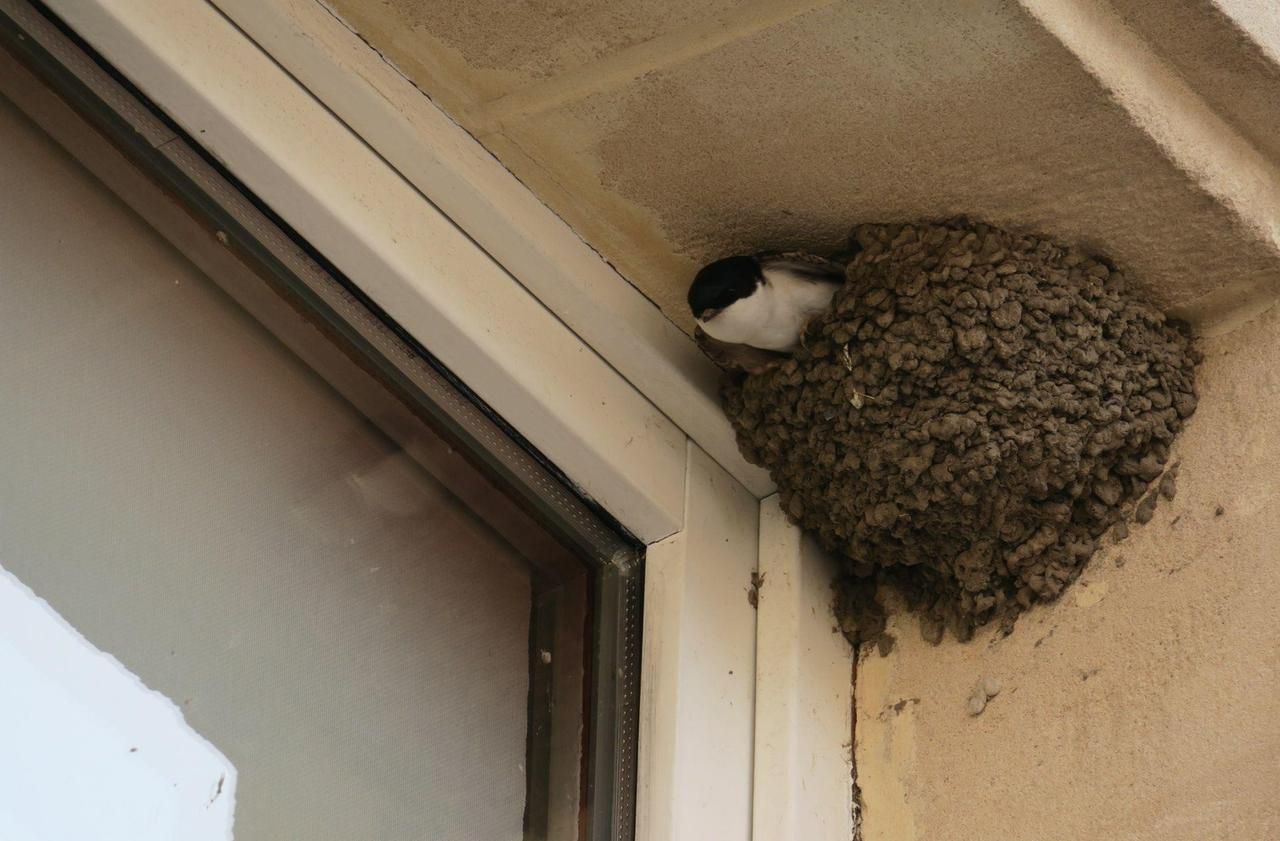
x,y
670,133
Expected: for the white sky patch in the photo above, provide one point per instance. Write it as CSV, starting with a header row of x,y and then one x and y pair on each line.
x,y
87,750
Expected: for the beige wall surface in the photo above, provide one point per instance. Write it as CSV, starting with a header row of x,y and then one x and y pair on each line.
x,y
199,504
671,134
1145,705
1229,50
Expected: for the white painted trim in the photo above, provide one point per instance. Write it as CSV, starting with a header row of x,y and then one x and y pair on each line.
x,y
804,692
458,175
409,257
698,681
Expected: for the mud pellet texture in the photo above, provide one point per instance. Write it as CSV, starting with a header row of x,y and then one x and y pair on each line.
x,y
976,411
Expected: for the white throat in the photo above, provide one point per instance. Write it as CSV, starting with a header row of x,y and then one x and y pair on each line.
x,y
773,315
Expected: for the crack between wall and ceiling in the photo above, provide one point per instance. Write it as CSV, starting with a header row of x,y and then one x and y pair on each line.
x,y
855,789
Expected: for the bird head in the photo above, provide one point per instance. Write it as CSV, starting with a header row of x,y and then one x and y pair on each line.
x,y
721,283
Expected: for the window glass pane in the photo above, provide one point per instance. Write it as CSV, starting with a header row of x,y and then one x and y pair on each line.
x,y
332,615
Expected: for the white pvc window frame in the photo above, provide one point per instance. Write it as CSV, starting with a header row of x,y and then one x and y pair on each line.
x,y
745,715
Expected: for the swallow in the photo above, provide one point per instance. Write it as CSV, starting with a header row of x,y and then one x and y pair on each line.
x,y
752,310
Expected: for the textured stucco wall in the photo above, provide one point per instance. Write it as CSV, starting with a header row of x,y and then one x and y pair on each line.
x,y
1144,705
1226,51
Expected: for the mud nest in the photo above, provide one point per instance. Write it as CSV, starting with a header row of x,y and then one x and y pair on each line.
x,y
974,413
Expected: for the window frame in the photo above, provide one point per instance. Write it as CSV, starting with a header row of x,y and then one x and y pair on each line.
x,y
119,137
720,684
